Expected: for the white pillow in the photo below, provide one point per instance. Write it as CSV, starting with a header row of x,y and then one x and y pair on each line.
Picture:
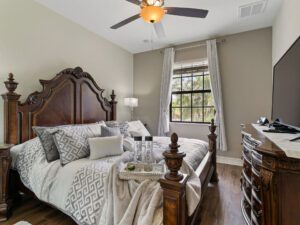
x,y
128,144
102,123
137,128
101,147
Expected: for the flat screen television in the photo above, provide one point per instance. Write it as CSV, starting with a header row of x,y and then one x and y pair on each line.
x,y
286,87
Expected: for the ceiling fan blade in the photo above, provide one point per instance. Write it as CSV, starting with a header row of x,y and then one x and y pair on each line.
x,y
136,2
124,22
188,12
159,30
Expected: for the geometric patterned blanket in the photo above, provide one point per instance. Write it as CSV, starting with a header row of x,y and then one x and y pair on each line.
x,y
77,188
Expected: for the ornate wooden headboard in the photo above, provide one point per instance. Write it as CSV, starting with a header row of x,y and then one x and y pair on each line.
x,y
71,97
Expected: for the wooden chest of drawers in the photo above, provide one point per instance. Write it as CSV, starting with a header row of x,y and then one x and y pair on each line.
x,y
270,182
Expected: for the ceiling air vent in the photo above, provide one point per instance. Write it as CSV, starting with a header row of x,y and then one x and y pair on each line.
x,y
252,9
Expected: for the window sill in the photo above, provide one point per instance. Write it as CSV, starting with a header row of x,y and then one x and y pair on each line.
x,y
189,124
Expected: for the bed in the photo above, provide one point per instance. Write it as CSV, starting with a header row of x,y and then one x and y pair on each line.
x,y
73,97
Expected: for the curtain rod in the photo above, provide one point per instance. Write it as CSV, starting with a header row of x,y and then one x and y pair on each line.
x,y
198,45
193,46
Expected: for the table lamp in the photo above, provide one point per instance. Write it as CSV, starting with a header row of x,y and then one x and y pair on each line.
x,y
132,103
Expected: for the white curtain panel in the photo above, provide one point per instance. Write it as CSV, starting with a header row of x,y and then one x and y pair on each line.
x,y
165,92
213,65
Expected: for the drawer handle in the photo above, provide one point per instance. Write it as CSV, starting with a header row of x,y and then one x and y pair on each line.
x,y
246,205
269,163
257,214
257,189
256,159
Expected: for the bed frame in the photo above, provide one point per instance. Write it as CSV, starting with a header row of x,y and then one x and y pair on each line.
x,y
73,97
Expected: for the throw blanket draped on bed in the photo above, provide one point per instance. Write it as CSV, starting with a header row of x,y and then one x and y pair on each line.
x,y
91,192
129,202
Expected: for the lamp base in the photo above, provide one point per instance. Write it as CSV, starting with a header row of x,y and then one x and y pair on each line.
x,y
131,113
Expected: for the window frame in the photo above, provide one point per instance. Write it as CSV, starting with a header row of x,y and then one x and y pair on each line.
x,y
191,70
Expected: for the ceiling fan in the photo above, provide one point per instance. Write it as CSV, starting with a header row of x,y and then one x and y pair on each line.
x,y
152,11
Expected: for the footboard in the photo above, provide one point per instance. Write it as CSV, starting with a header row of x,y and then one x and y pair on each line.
x,y
174,183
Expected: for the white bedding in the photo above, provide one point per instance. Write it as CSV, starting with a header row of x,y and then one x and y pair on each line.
x,y
77,189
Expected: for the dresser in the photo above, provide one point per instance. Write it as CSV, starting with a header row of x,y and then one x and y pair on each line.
x,y
270,182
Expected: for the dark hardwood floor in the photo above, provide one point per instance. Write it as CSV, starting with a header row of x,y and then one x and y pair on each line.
x,y
221,205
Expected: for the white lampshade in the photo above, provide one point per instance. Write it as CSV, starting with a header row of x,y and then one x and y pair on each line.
x,y
131,102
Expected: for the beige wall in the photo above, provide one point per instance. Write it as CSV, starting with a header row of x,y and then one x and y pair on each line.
x,y
147,69
286,28
246,71
37,43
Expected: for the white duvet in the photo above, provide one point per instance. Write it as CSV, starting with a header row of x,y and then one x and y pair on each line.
x,y
78,188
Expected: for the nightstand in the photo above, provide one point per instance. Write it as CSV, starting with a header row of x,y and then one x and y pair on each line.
x,y
5,161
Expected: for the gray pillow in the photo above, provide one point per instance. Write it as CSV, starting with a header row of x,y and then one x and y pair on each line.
x,y
46,138
72,142
110,131
123,126
45,135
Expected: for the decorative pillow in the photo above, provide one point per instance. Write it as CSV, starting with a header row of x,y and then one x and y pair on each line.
x,y
101,147
45,135
101,123
91,130
137,128
110,131
123,126
128,144
72,143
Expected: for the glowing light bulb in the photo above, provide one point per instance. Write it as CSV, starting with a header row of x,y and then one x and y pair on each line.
x,y
152,14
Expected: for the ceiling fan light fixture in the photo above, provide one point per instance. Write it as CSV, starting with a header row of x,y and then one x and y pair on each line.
x,y
152,14
145,3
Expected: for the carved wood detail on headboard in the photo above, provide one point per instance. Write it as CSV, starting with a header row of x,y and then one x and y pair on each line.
x,y
71,97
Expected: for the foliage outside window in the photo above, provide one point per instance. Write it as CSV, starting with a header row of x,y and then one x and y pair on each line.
x,y
192,100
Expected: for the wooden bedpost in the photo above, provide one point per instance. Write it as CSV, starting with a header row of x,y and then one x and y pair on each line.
x,y
173,185
213,149
113,103
10,111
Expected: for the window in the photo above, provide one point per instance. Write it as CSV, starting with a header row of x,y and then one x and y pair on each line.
x,y
192,100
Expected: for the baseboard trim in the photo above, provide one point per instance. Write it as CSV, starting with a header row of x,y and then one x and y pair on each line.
x,y
229,161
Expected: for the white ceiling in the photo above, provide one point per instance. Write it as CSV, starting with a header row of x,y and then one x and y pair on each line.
x,y
98,15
